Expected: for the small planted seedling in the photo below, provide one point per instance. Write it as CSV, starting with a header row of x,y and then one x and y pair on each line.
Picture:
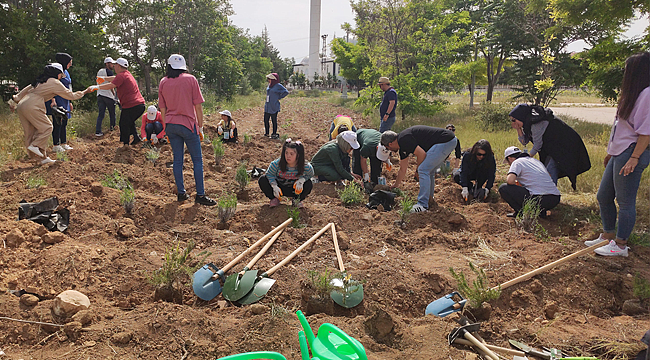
x,y
219,151
247,138
479,291
321,282
241,176
152,155
35,181
61,156
294,214
227,206
527,218
406,204
127,199
116,181
352,194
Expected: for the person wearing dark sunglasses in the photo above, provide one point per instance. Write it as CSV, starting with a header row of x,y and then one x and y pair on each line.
x,y
476,172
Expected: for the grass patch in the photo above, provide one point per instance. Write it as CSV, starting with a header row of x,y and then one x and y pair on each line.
x,y
479,291
639,239
61,156
35,181
213,104
641,287
352,194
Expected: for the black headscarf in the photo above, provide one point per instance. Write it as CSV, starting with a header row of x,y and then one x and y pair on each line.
x,y
530,114
48,72
63,59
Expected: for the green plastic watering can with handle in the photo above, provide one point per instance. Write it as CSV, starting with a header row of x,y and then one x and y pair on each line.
x,y
256,355
330,343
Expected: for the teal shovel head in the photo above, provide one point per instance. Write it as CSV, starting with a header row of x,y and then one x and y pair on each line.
x,y
258,292
347,295
237,286
205,285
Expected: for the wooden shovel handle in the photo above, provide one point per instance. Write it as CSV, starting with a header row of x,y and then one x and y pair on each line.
x,y
480,345
254,246
263,251
555,263
492,347
336,247
295,252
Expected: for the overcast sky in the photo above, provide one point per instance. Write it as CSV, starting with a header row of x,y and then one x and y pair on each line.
x,y
288,23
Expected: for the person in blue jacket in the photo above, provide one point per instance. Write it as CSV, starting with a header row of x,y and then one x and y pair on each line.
x,y
59,139
274,92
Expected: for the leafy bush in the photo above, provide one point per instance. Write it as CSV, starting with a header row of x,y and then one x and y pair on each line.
x,y
116,181
493,117
321,281
241,176
127,199
176,264
227,206
351,194
219,151
479,292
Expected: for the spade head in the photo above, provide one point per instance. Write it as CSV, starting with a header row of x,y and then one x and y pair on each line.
x,y
347,293
262,286
205,284
237,286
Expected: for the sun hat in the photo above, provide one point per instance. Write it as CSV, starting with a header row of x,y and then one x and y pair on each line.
x,y
512,150
177,62
152,111
226,112
351,138
122,62
384,80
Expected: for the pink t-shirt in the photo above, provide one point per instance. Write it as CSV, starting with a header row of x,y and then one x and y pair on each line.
x,y
127,90
624,133
178,96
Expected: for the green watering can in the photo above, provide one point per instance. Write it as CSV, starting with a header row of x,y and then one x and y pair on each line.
x,y
270,355
331,343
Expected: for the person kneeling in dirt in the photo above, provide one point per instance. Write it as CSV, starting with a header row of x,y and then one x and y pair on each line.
x,y
227,127
153,127
329,162
369,142
527,179
340,124
477,168
288,176
431,146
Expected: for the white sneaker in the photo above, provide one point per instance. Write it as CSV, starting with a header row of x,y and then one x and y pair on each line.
x,y
67,147
595,241
418,208
58,148
611,249
35,150
47,160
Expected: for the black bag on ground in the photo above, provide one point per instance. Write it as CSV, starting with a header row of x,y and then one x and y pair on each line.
x,y
45,213
381,197
644,354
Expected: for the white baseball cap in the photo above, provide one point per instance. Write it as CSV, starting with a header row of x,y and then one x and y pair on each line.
x,y
225,112
152,111
351,138
382,153
509,152
109,60
177,62
122,62
57,66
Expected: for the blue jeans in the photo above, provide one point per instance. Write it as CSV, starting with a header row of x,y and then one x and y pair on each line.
x,y
153,128
179,136
104,103
386,125
427,169
623,189
551,167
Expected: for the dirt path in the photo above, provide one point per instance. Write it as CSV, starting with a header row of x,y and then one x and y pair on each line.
x,y
107,255
597,114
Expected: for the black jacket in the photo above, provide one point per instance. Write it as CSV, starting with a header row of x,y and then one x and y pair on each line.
x,y
562,143
480,171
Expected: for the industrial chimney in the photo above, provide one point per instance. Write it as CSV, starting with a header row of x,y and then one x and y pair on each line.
x,y
314,39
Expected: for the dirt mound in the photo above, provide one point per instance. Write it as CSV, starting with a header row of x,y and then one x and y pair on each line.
x,y
108,254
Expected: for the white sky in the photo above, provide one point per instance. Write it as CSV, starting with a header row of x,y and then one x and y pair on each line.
x,y
288,23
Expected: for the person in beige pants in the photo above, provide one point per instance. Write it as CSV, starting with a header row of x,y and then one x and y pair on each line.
x,y
31,108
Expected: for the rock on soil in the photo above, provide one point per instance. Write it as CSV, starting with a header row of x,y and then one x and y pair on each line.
x,y
123,337
69,303
85,317
28,300
14,238
53,237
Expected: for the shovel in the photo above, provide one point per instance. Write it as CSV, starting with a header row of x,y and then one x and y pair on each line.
x,y
263,283
347,293
465,332
231,289
206,279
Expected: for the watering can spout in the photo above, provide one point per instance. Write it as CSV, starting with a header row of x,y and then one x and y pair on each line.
x,y
305,325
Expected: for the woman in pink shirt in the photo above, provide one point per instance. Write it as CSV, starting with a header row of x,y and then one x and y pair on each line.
x,y
627,156
179,100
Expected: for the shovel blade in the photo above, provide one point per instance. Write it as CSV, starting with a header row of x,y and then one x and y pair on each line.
x,y
258,292
348,298
237,286
446,305
204,285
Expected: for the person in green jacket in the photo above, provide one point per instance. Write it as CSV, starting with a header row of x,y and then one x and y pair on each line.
x,y
369,141
328,161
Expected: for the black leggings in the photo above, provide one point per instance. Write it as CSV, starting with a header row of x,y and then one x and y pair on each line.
x,y
516,195
274,118
287,190
127,123
375,166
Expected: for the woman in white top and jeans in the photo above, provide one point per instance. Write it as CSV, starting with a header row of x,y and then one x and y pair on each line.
x,y
627,157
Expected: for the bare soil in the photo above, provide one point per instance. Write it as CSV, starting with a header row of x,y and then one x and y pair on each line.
x,y
107,254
